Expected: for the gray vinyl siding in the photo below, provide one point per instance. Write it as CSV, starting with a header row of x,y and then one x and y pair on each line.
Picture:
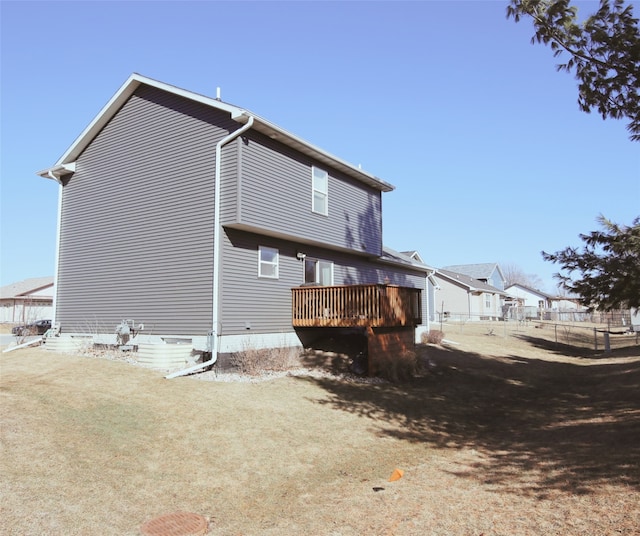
x,y
137,220
266,303
137,225
263,302
274,194
230,170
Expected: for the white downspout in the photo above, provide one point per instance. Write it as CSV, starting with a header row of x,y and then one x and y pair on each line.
x,y
216,254
57,262
430,274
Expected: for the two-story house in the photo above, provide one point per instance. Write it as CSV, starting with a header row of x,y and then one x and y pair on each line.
x,y
487,272
206,222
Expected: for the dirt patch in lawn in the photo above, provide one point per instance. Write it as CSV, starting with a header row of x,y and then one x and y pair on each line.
x,y
503,436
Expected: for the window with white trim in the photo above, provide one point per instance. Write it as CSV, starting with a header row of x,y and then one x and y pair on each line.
x,y
268,259
320,187
318,272
487,300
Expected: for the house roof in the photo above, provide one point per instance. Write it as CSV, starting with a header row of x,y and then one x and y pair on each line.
x,y
66,162
403,259
472,284
23,288
413,254
530,290
477,271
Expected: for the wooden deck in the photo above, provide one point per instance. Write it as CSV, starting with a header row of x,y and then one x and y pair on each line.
x,y
356,305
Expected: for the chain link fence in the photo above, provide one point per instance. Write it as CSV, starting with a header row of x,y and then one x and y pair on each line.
x,y
620,318
599,331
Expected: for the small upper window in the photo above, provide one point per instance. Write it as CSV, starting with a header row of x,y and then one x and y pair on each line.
x,y
320,179
268,262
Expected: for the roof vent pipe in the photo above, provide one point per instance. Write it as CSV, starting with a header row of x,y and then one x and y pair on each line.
x,y
218,93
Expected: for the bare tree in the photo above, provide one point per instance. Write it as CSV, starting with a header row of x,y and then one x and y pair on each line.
x,y
513,274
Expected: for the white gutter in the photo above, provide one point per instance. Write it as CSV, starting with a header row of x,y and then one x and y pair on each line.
x,y
217,247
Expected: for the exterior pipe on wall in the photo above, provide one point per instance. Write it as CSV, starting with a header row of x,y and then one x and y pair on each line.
x,y
24,345
56,269
216,250
57,258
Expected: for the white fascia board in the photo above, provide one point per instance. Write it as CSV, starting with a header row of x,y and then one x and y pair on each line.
x,y
99,121
58,171
237,114
412,266
117,101
386,260
277,133
416,256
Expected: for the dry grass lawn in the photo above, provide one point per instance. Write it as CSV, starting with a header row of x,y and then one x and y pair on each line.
x,y
507,436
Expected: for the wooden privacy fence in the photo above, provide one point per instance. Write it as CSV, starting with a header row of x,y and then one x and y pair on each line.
x,y
356,305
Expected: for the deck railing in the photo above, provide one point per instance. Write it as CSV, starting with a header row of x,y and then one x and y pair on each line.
x,y
356,305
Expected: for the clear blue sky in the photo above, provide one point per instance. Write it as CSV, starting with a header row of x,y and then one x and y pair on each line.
x,y
491,158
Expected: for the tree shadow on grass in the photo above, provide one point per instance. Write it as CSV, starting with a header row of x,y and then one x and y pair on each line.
x,y
571,350
538,425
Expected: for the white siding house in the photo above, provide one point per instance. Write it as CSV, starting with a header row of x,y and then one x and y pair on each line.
x,y
529,297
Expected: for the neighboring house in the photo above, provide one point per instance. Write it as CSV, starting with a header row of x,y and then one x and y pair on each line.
x,y
413,254
202,220
529,297
528,302
487,272
540,305
27,301
432,285
461,298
